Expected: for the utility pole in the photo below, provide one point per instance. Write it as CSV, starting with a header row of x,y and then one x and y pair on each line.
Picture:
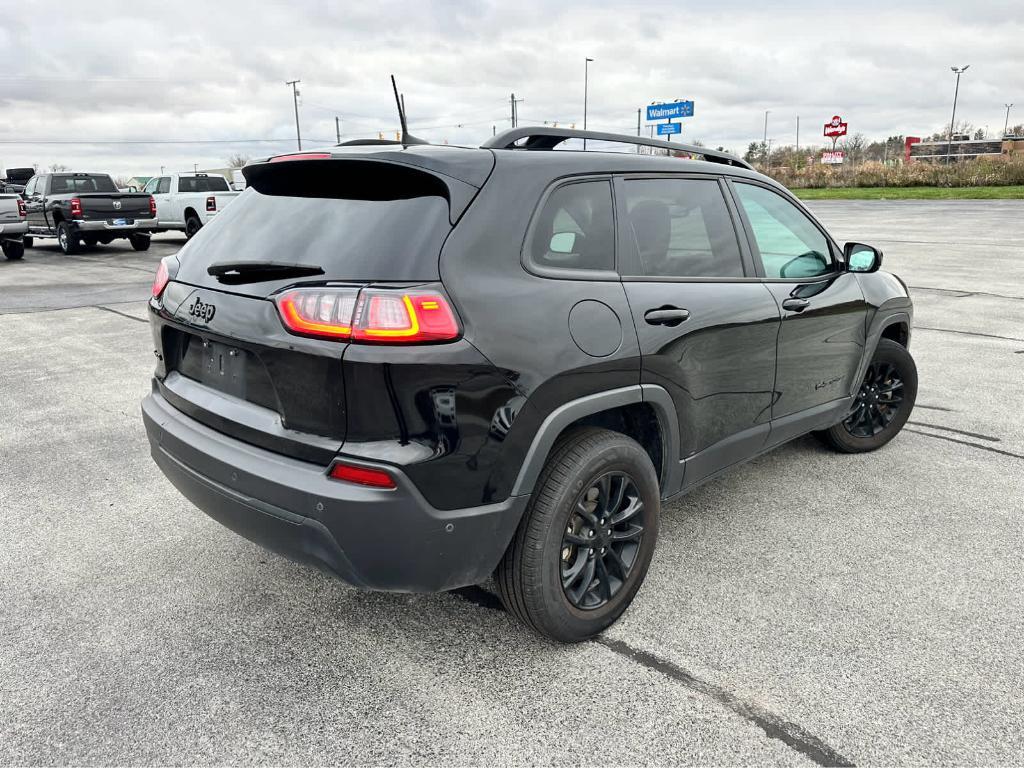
x,y
764,141
295,98
337,127
798,134
1006,125
959,71
586,82
638,112
513,101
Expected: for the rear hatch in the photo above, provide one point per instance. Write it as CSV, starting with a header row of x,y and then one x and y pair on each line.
x,y
228,360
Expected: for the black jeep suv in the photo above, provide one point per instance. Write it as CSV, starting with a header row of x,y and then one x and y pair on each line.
x,y
419,366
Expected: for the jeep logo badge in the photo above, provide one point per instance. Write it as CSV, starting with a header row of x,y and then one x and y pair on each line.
x,y
201,310
117,205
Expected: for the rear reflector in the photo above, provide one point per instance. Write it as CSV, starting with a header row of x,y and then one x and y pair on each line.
x,y
75,206
303,156
211,203
372,315
375,478
161,280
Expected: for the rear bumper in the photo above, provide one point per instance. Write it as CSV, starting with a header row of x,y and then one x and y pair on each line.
x,y
101,225
12,231
376,539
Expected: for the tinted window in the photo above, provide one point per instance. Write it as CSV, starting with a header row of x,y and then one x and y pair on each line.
x,y
163,185
682,228
202,184
150,187
81,183
30,188
791,245
357,221
576,228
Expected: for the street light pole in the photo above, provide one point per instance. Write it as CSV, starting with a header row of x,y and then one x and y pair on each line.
x,y
764,141
586,84
295,99
959,71
1006,125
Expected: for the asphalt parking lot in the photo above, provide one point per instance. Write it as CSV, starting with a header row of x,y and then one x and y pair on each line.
x,y
808,608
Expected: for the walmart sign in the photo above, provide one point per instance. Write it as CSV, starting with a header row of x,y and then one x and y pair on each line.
x,y
668,111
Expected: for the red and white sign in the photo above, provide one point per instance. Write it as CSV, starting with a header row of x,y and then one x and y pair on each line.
x,y
835,127
833,158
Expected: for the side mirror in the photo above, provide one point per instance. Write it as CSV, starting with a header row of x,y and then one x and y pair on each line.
x,y
562,242
862,258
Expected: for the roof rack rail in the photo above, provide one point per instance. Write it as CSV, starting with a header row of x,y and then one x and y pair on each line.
x,y
542,137
366,142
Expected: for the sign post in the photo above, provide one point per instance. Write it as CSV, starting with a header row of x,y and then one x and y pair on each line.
x,y
667,112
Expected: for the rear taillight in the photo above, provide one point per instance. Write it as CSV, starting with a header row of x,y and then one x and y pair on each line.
x,y
211,203
371,315
21,209
76,206
375,478
162,278
152,206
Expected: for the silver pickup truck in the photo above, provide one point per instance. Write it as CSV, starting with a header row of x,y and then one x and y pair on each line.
x,y
13,225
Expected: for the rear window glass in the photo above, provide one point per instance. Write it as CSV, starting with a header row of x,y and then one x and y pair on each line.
x,y
202,184
91,183
356,221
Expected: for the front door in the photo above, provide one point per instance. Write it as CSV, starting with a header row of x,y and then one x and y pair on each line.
x,y
34,202
706,325
823,334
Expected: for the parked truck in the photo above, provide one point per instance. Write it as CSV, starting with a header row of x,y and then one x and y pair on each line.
x,y
187,201
12,226
86,209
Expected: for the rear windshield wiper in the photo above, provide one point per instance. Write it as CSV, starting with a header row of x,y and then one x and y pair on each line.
x,y
238,272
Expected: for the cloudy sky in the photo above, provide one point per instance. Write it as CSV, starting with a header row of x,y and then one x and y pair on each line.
x,y
130,87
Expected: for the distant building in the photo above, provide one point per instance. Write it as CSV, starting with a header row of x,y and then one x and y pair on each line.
x,y
961,148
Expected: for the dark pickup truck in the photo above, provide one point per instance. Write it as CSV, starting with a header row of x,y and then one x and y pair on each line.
x,y
85,210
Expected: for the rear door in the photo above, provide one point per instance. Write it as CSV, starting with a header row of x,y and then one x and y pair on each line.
x,y
822,337
228,360
707,326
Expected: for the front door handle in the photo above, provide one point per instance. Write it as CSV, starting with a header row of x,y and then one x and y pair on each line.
x,y
796,305
666,316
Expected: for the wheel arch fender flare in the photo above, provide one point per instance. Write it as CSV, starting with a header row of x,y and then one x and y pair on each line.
x,y
568,413
879,324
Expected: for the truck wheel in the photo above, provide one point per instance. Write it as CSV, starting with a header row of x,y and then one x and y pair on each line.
x,y
69,243
27,241
583,548
883,404
13,249
139,242
192,225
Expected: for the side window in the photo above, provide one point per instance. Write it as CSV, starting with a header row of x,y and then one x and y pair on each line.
x,y
576,228
150,187
791,245
30,188
682,228
164,186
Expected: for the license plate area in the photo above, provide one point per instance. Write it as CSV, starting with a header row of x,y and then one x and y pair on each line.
x,y
221,366
121,222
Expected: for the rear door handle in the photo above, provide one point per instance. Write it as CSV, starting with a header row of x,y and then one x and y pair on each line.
x,y
666,316
796,305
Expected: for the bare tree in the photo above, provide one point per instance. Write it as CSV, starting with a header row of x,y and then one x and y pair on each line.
x,y
237,160
122,182
854,147
58,168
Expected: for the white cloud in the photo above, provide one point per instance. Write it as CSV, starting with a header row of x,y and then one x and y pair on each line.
x,y
215,71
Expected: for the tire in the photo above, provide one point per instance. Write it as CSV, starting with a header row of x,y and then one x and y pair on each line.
x,y
13,249
68,241
192,225
27,241
873,422
139,242
586,468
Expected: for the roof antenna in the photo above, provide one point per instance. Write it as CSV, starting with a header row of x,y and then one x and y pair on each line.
x,y
407,138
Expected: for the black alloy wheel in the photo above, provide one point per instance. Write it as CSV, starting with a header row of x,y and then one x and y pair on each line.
x,y
602,541
879,400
